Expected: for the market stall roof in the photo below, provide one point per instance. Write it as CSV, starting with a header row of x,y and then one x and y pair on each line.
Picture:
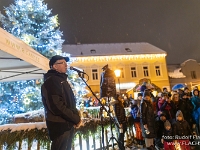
x,y
18,61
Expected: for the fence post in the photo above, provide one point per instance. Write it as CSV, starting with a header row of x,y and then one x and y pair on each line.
x,y
20,145
38,145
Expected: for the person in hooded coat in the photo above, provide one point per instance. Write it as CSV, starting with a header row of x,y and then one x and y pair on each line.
x,y
135,112
168,134
196,103
182,129
147,120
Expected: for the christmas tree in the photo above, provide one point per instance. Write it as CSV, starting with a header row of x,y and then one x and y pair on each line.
x,y
30,21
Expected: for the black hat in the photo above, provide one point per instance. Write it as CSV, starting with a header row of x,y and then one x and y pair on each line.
x,y
183,94
146,93
55,58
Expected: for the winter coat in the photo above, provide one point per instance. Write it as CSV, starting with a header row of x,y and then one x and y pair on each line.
x,y
120,114
186,106
59,104
176,103
147,117
143,88
196,111
196,102
181,128
135,113
159,127
169,109
168,133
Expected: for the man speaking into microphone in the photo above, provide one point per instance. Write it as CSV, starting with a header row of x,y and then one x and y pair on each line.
x,y
60,105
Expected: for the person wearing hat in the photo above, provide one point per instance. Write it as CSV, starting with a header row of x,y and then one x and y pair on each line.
x,y
135,112
182,131
196,111
121,118
60,105
187,91
168,136
147,120
159,127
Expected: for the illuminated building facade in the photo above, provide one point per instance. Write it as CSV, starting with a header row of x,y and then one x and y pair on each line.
x,y
135,60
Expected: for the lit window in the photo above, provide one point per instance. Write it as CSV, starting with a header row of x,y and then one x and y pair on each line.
x,y
146,71
94,74
193,74
133,72
157,68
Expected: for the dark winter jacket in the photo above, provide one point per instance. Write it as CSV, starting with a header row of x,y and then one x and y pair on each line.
x,y
120,114
181,128
147,117
135,113
168,133
159,127
186,106
59,103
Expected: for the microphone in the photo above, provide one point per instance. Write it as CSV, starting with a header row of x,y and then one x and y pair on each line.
x,y
77,70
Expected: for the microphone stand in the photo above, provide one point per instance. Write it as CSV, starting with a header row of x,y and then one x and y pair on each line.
x,y
101,109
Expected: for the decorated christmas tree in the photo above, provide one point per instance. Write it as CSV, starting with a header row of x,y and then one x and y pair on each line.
x,y
30,21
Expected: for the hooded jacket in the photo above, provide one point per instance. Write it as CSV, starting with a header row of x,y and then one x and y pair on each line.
x,y
195,100
59,103
181,128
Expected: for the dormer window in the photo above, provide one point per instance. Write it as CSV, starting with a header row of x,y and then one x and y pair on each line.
x,y
92,51
128,49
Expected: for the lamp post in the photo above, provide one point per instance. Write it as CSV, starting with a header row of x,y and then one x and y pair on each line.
x,y
117,74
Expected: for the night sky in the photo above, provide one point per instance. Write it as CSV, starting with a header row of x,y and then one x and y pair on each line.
x,y
172,25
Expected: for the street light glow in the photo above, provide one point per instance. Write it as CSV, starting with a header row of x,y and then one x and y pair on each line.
x,y
117,73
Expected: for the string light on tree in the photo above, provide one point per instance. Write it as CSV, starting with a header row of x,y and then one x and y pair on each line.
x,y
30,21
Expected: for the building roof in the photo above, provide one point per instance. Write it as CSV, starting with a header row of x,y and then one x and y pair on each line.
x,y
111,49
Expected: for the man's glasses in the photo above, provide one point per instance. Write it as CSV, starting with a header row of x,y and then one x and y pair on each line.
x,y
61,63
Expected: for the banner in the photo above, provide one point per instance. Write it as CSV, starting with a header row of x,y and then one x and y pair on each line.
x,y
16,47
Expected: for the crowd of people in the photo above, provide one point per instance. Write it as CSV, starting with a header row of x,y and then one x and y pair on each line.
x,y
167,121
158,121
